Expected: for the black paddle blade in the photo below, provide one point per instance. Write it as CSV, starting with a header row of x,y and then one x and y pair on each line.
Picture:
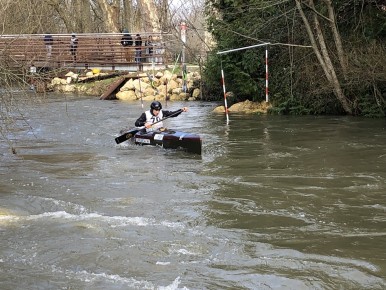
x,y
126,136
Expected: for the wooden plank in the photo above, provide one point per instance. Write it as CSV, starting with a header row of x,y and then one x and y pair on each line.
x,y
112,89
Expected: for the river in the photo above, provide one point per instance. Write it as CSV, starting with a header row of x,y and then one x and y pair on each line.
x,y
274,202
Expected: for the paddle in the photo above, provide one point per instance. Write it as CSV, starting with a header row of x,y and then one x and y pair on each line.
x,y
132,132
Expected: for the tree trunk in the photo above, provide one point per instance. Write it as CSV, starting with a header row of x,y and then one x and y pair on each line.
x,y
322,55
127,14
111,12
62,12
337,38
150,13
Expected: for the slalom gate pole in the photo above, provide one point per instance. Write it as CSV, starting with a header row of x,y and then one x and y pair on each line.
x,y
266,74
225,95
266,64
140,90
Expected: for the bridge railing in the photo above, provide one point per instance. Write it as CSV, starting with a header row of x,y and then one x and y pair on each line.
x,y
102,50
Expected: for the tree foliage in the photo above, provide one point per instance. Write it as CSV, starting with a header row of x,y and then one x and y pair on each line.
x,y
327,57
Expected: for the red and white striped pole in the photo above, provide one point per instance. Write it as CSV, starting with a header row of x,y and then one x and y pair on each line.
x,y
225,95
266,74
266,71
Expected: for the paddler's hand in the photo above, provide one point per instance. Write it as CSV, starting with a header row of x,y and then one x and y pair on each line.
x,y
185,109
148,125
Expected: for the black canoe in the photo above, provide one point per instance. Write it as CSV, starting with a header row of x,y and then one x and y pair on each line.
x,y
170,139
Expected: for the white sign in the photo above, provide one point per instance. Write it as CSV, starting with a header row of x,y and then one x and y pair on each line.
x,y
143,141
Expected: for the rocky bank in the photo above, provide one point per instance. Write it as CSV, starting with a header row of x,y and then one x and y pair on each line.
x,y
139,86
147,87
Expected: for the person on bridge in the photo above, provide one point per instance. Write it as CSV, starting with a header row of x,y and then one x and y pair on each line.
x,y
48,41
149,48
156,114
127,43
138,52
73,46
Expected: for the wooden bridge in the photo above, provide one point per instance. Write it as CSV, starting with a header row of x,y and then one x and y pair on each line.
x,y
103,50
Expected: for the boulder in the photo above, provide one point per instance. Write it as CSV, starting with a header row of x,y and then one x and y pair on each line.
x,y
172,84
140,85
149,91
167,75
179,97
126,95
177,91
175,97
148,98
75,76
246,107
55,81
196,93
128,86
162,90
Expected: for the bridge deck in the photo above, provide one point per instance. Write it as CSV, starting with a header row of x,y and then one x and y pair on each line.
x,y
94,50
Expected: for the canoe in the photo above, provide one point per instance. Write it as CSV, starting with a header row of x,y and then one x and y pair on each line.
x,y
170,139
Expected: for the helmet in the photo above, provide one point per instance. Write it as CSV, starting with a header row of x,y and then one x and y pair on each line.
x,y
156,105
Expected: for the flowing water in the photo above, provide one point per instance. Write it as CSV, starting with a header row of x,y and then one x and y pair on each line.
x,y
274,202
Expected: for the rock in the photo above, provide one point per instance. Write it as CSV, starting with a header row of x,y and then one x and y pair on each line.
x,y
177,91
159,97
155,82
174,97
180,97
246,107
219,109
172,84
167,75
157,87
126,96
196,93
148,98
128,86
139,84
146,80
55,81
149,91
68,88
162,90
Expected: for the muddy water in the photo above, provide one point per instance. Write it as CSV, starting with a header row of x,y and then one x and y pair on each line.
x,y
273,202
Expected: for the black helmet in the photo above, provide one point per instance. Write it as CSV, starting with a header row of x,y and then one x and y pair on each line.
x,y
156,105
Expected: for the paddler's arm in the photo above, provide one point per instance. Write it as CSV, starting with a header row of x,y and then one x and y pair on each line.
x,y
174,113
141,120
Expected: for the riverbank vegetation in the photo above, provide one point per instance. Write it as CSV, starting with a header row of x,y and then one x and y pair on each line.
x,y
325,57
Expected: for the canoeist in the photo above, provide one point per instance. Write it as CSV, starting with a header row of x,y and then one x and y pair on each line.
x,y
155,114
